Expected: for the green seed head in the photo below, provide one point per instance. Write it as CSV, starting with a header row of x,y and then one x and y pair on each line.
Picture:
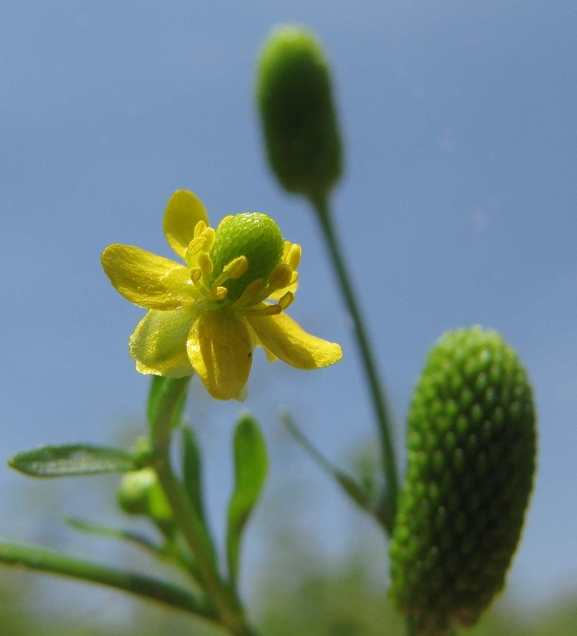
x,y
471,460
295,101
253,235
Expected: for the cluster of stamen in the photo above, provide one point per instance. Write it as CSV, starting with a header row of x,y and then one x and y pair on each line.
x,y
251,300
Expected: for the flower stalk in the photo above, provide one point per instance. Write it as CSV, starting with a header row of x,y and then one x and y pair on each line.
x,y
228,606
387,507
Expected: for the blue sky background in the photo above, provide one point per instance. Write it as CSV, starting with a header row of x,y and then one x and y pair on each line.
x,y
457,207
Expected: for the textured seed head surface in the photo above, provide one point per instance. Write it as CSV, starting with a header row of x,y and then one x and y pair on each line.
x,y
296,105
471,459
249,234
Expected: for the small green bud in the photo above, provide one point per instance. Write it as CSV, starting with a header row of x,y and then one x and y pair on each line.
x,y
471,461
249,234
143,451
133,493
141,494
295,100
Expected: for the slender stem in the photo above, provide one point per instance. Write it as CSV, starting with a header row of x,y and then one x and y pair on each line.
x,y
186,518
411,625
321,205
43,560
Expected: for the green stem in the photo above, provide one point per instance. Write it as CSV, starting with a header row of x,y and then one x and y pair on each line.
x,y
186,519
321,205
411,626
43,560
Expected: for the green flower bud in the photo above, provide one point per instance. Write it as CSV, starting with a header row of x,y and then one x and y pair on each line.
x,y
141,494
132,495
296,106
253,235
471,461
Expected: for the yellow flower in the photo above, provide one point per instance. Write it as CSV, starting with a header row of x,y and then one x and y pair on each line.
x,y
208,314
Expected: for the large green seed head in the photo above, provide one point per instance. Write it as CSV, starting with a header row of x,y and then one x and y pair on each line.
x,y
253,235
295,101
471,460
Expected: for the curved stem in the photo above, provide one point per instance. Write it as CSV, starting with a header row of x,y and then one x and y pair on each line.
x,y
375,385
43,560
189,523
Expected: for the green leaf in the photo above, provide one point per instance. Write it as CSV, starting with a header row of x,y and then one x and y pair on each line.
x,y
250,467
360,495
192,471
42,560
72,460
167,552
112,533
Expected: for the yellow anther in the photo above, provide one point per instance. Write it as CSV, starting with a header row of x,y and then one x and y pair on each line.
x,y
195,274
194,247
199,228
294,256
217,293
249,295
286,300
280,277
226,218
264,310
285,251
294,278
209,234
205,264
235,269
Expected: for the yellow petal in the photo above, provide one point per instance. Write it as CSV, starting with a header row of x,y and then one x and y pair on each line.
x,y
292,344
158,343
255,340
148,280
220,350
183,212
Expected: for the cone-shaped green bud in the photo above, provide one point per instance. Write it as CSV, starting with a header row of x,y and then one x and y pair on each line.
x,y
141,494
296,106
253,235
471,460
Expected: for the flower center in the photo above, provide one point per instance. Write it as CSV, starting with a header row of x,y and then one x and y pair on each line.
x,y
252,235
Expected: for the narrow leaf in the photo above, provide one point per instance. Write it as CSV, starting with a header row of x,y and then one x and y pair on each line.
x,y
250,467
348,483
42,560
112,533
192,471
72,460
168,552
